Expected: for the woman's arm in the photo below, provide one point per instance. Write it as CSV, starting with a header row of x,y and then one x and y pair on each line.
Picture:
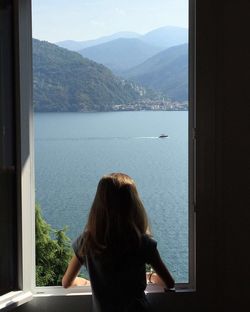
x,y
70,277
164,277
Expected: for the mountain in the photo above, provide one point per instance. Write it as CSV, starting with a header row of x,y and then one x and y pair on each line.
x,y
71,45
64,81
79,45
120,54
167,36
166,72
163,37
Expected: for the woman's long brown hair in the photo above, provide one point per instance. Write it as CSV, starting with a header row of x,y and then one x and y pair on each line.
x,y
117,217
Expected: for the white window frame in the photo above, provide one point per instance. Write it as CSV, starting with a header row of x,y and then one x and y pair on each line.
x,y
191,285
24,155
23,43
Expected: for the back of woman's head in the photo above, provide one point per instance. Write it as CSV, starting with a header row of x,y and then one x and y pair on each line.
x,y
117,216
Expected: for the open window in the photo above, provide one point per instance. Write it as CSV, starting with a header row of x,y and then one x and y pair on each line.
x,y
17,208
119,102
22,276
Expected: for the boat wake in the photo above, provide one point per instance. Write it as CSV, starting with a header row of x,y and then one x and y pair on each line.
x,y
148,137
98,138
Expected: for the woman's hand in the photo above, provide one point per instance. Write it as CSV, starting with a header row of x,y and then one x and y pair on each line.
x,y
80,281
163,276
154,278
70,277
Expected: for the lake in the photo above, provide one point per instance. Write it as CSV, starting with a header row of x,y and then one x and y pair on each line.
x,y
73,151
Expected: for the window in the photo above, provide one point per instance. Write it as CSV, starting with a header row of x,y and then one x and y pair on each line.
x,y
24,280
81,143
17,254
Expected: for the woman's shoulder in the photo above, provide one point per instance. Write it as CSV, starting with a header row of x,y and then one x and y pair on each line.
x,y
77,245
148,243
148,247
148,240
77,242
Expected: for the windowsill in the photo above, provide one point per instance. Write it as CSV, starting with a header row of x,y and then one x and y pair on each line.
x,y
154,288
60,291
14,299
86,290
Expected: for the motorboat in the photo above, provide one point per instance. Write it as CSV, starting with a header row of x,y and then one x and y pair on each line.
x,y
163,136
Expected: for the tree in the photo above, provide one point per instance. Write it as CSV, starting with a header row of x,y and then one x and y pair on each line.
x,y
53,252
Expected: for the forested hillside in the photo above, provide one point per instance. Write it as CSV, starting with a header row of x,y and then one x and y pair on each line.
x,y
166,72
64,81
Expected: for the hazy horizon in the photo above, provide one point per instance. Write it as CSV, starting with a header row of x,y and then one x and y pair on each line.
x,y
83,20
124,31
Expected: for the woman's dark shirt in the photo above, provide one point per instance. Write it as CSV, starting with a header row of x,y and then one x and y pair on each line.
x,y
118,279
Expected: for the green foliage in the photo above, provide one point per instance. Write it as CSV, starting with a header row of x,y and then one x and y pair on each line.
x,y
149,268
53,252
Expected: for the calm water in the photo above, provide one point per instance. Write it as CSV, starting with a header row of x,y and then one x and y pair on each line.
x,y
73,150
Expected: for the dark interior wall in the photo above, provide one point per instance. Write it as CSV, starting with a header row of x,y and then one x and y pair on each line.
x,y
223,170
232,152
223,148
223,217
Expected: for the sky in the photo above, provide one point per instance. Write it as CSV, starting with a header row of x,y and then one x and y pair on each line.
x,y
80,20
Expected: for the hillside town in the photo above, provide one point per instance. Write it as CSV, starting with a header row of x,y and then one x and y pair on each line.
x,y
152,105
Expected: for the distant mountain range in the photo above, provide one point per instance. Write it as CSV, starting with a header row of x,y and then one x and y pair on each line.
x,y
163,37
144,70
167,37
80,45
158,59
65,81
166,71
121,54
